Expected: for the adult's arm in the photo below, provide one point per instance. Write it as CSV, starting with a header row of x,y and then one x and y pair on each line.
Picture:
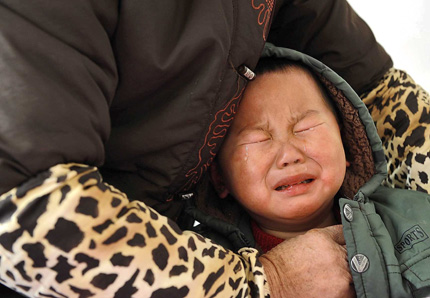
x,y
332,32
57,77
65,233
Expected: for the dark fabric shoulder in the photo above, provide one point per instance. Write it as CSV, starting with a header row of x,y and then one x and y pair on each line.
x,y
57,78
332,32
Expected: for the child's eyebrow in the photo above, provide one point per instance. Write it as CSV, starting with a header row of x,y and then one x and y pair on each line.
x,y
257,127
305,114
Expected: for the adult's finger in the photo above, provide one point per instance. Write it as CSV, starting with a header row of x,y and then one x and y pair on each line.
x,y
335,233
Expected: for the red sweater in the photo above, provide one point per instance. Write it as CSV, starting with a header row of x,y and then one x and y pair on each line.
x,y
265,241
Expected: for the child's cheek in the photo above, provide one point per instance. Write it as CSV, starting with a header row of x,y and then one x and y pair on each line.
x,y
239,155
242,157
255,158
314,147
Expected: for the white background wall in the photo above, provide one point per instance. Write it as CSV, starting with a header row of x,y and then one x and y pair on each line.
x,y
403,29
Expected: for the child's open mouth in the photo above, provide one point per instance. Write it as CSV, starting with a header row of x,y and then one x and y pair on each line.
x,y
291,185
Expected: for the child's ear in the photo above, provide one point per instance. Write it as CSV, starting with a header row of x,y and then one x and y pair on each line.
x,y
348,163
218,180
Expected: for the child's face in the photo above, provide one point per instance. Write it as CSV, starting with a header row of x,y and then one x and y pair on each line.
x,y
283,158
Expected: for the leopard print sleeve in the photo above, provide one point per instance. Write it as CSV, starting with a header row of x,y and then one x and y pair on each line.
x,y
401,111
65,233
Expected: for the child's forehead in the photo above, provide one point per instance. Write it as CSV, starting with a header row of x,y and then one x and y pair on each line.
x,y
273,85
277,79
281,85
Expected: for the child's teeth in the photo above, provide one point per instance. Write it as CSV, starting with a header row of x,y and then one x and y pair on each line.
x,y
286,186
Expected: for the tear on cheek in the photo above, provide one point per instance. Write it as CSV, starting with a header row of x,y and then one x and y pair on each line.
x,y
246,153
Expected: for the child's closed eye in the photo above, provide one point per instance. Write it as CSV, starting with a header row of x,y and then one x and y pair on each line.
x,y
306,128
257,137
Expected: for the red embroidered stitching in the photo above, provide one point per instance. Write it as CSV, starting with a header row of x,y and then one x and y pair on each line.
x,y
264,15
217,129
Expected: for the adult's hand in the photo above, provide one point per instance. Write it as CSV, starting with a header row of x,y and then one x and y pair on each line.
x,y
311,265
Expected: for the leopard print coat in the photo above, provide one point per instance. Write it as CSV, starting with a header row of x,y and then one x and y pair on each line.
x,y
99,244
401,111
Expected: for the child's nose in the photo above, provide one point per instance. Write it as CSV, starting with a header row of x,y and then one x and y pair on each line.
x,y
289,154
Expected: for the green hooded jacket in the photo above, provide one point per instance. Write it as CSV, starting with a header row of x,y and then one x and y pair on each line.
x,y
386,230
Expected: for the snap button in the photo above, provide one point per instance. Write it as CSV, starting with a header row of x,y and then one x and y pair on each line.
x,y
360,263
347,212
246,72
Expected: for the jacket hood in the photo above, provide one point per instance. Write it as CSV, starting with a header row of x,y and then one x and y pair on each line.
x,y
362,143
